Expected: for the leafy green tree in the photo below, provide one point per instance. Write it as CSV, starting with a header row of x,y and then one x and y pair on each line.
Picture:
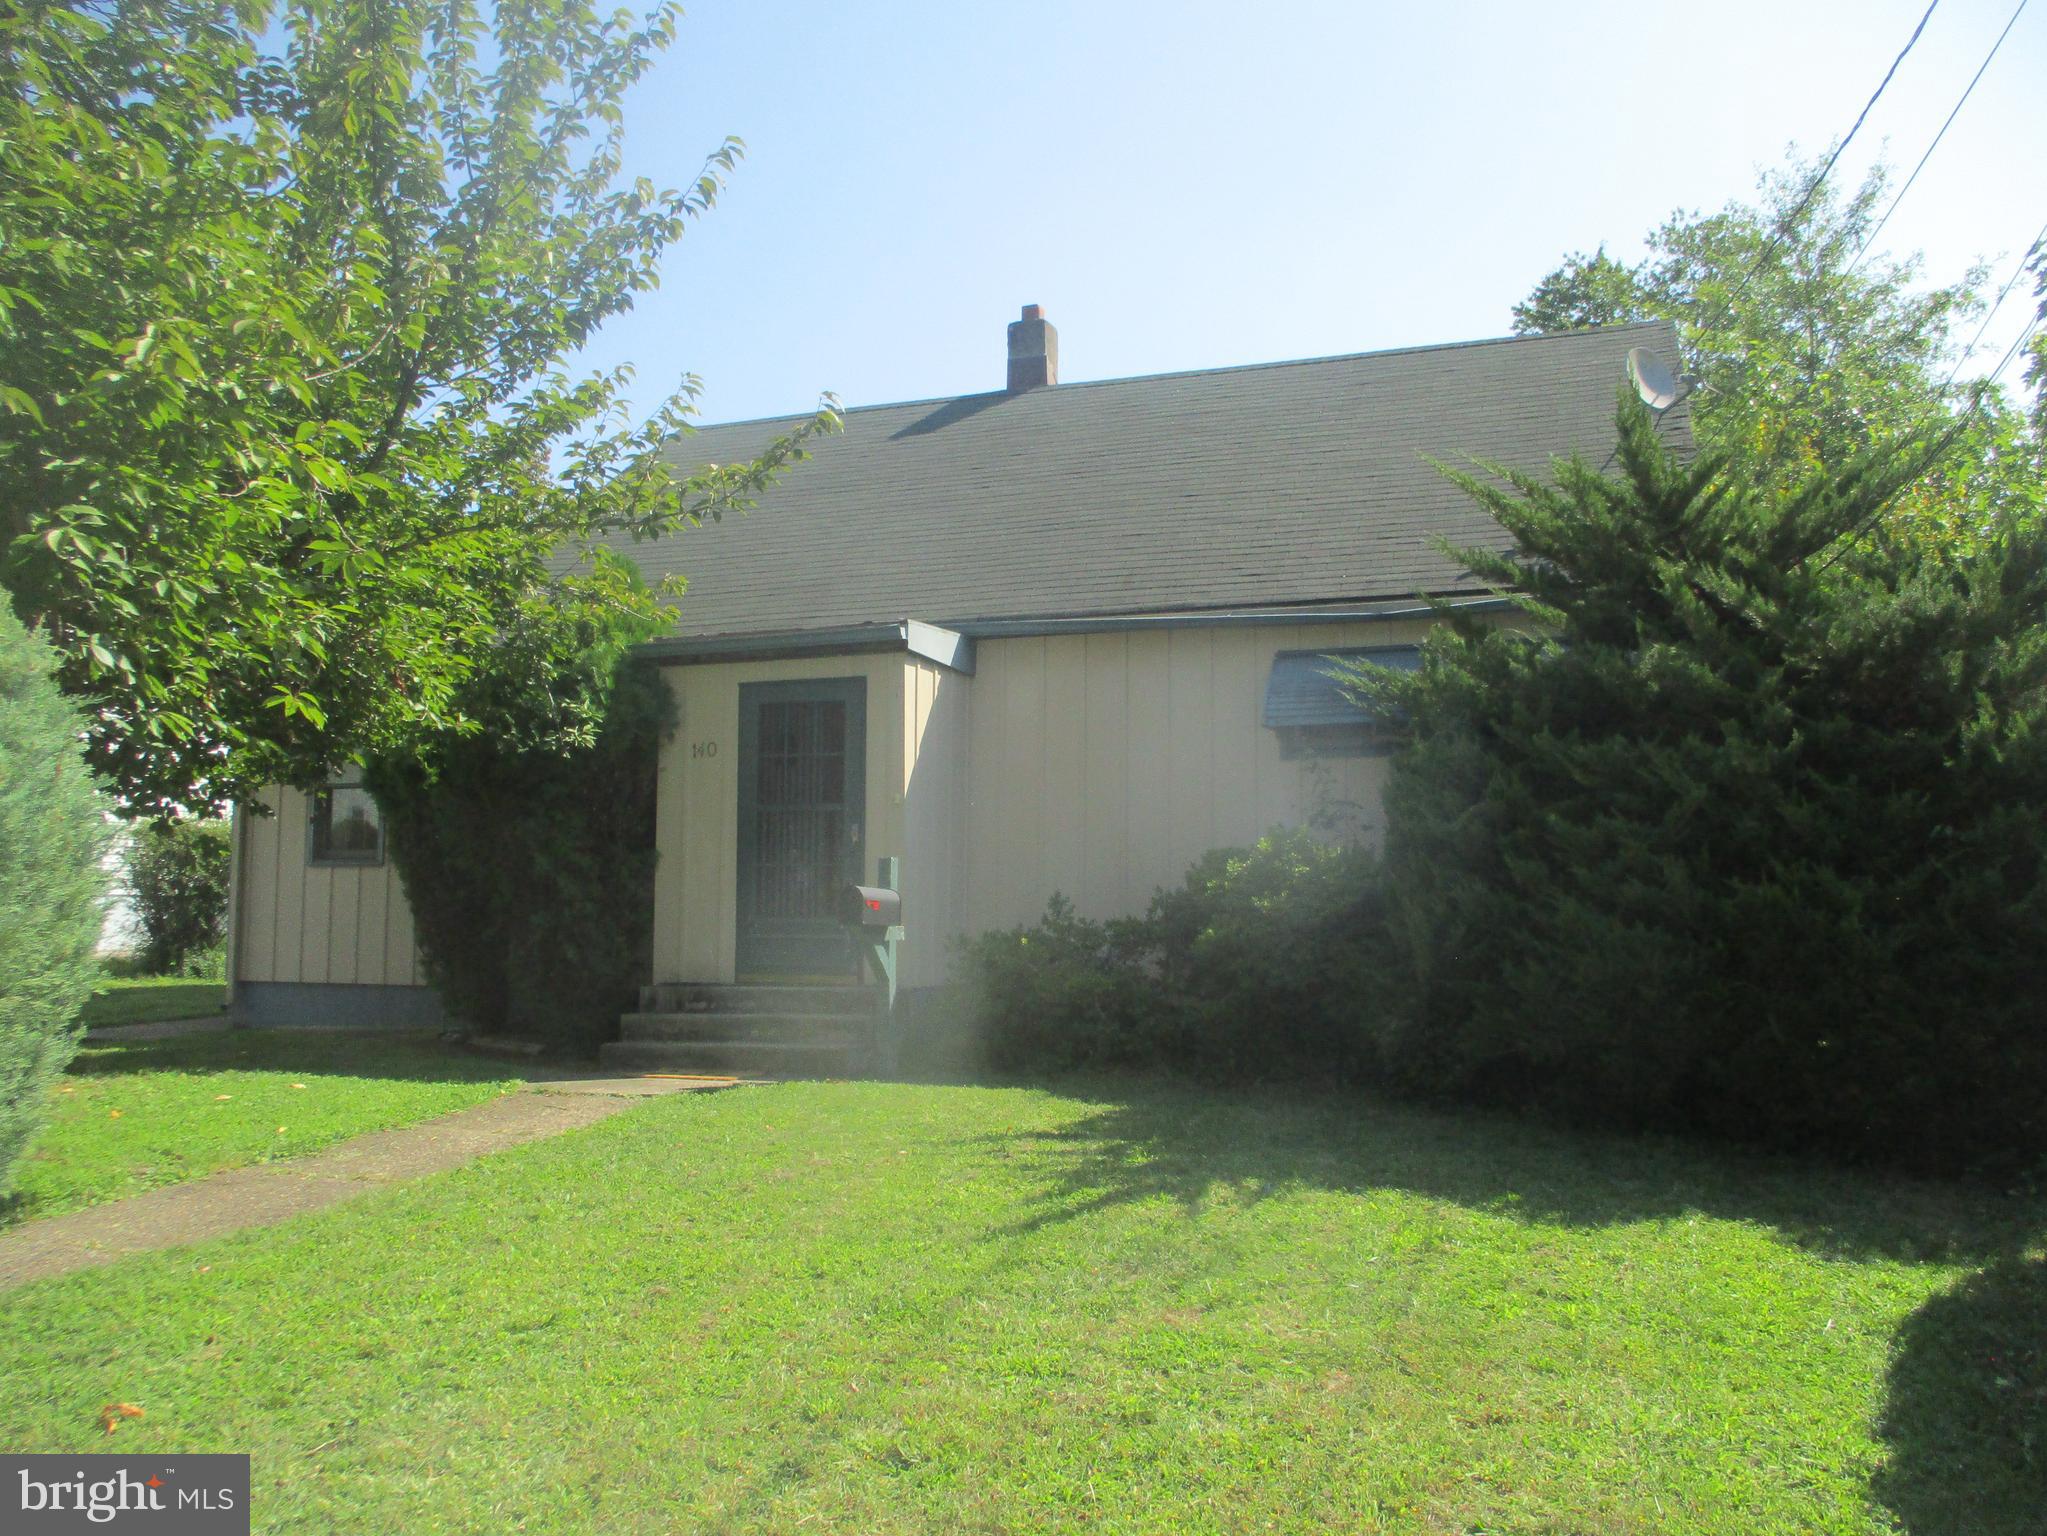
x,y
178,874
2036,352
1742,831
1807,348
53,834
288,299
1584,291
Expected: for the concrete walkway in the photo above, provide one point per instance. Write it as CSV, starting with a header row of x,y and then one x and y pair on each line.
x,y
269,1193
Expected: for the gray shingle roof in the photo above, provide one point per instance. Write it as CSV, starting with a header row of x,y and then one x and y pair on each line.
x,y
1276,484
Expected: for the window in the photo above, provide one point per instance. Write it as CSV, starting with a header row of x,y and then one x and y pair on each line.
x,y
346,827
1306,705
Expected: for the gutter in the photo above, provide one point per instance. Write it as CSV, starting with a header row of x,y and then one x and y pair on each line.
x,y
1006,629
953,645
949,648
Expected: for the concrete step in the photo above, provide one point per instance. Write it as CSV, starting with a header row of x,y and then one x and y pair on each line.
x,y
709,997
786,1028
745,1058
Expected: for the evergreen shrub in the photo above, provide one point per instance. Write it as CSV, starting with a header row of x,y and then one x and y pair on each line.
x,y
53,837
1745,832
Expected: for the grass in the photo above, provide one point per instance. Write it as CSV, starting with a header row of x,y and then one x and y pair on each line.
x,y
150,1000
132,1116
872,1308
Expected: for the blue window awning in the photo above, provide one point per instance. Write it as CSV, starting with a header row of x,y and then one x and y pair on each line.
x,y
1303,692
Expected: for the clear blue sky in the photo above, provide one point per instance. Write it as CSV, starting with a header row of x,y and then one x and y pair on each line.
x,y
1190,185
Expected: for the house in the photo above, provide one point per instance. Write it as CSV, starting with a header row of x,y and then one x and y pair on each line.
x,y
1051,638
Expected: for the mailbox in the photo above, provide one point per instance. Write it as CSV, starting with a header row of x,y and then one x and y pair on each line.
x,y
870,906
873,915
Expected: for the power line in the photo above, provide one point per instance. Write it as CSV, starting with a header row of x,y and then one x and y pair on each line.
x,y
1826,170
2018,345
1977,395
1938,449
2025,258
1988,382
1907,187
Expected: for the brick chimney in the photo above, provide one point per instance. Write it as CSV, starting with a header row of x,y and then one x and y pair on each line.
x,y
1033,351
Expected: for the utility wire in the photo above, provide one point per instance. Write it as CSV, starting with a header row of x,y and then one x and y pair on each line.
x,y
1907,187
1938,449
1826,170
1978,393
2025,259
2018,345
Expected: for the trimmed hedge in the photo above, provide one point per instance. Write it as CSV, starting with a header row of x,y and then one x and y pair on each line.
x,y
53,836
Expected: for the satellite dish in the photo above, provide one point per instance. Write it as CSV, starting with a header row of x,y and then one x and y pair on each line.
x,y
1659,388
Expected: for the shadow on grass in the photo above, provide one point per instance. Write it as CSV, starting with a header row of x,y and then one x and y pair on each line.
x,y
154,1001
1965,1410
1182,1143
406,1055
1965,1414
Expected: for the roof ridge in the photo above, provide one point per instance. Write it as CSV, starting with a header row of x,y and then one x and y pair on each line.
x,y
1194,373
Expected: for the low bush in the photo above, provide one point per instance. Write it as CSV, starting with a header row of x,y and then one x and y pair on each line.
x,y
208,964
1257,966
1066,992
178,873
1269,953
53,836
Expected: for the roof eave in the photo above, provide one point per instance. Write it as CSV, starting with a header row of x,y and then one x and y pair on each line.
x,y
952,645
946,647
1386,611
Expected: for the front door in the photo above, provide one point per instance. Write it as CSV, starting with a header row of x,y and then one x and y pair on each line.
x,y
802,814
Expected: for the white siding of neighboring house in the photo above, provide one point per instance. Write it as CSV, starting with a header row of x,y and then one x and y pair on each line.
x,y
121,931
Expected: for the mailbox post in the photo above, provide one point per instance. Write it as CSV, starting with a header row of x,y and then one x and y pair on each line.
x,y
874,913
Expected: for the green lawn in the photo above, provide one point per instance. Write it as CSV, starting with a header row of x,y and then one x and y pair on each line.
x,y
131,1116
869,1308
151,999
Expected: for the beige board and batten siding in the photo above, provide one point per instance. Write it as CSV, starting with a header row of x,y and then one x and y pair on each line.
x,y
937,721
1098,765
316,924
696,878
1101,766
